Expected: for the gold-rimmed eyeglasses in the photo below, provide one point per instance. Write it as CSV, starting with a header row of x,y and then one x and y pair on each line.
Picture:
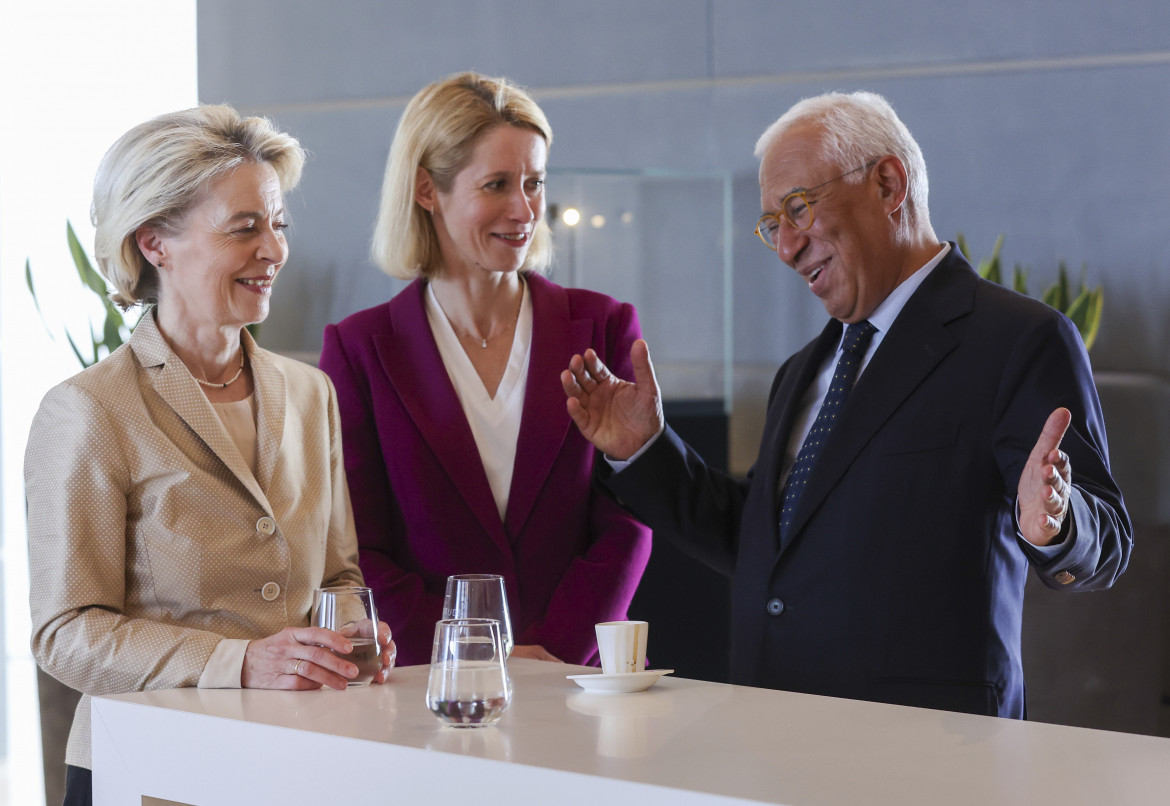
x,y
795,210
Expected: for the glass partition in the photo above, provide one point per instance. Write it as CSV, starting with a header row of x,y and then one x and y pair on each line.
x,y
661,241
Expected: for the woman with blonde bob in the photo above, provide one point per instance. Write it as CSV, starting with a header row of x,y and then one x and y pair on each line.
x,y
186,494
459,451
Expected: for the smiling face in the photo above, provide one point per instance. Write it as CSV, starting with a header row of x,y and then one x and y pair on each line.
x,y
849,256
486,220
219,269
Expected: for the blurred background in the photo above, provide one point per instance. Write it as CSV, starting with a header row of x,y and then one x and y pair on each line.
x,y
1047,122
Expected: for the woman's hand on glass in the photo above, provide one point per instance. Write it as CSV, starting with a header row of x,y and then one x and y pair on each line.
x,y
364,629
300,658
389,652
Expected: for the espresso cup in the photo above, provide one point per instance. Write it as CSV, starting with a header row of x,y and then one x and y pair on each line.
x,y
622,646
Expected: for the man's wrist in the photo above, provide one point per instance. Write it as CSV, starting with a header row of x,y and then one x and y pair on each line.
x,y
618,465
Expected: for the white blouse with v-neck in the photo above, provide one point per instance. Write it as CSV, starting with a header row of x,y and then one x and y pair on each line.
x,y
495,422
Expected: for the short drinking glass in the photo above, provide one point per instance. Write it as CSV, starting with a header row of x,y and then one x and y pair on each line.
x,y
479,596
350,611
468,686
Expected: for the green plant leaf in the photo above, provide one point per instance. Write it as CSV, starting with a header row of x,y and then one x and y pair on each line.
x,y
1085,313
1084,285
989,268
31,290
1020,279
110,337
1093,320
1085,310
996,267
1051,296
962,242
998,246
993,270
1056,295
36,303
112,330
1065,298
80,358
85,269
1078,310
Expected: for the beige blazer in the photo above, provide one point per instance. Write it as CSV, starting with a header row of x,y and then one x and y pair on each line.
x,y
150,540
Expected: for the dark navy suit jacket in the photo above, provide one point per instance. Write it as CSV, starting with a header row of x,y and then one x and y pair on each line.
x,y
902,577
570,557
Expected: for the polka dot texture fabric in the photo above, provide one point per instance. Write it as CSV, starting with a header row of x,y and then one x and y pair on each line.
x,y
857,337
150,540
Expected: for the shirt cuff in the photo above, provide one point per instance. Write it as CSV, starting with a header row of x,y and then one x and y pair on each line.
x,y
619,465
1052,550
226,664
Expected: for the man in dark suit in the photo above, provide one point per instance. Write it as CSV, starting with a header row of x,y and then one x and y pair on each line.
x,y
883,557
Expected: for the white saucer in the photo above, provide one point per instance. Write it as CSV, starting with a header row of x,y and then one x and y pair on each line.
x,y
618,683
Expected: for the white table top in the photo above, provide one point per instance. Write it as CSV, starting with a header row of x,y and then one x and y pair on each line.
x,y
716,743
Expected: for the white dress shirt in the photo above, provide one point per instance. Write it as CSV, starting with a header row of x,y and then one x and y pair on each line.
x,y
494,421
883,319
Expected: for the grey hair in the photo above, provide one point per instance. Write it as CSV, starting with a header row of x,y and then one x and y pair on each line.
x,y
156,172
856,128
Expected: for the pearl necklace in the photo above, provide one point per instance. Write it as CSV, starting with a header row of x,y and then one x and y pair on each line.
x,y
225,384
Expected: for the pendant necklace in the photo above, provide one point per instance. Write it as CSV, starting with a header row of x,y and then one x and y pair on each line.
x,y
483,340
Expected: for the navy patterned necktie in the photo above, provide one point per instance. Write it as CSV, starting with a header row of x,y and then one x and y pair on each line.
x,y
857,338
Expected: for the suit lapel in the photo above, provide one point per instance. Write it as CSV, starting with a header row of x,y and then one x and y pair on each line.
x,y
411,360
178,389
915,344
545,421
271,398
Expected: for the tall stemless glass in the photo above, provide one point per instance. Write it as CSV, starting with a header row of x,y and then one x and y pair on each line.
x,y
479,596
468,685
350,611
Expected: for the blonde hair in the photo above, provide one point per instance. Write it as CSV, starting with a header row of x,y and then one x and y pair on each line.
x,y
856,128
439,130
156,172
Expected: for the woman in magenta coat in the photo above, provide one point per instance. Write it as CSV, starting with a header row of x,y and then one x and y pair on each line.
x,y
459,451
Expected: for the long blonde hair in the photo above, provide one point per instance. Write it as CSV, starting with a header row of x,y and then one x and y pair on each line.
x,y
438,132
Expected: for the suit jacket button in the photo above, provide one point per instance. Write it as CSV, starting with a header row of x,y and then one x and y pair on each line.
x,y
270,591
266,526
775,607
1064,577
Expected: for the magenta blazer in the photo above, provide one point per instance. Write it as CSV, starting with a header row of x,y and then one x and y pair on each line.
x,y
569,555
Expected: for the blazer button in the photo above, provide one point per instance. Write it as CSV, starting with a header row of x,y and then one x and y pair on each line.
x,y
270,591
775,607
266,526
1064,577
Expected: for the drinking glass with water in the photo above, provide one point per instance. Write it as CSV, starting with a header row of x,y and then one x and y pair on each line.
x,y
350,611
468,685
479,596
